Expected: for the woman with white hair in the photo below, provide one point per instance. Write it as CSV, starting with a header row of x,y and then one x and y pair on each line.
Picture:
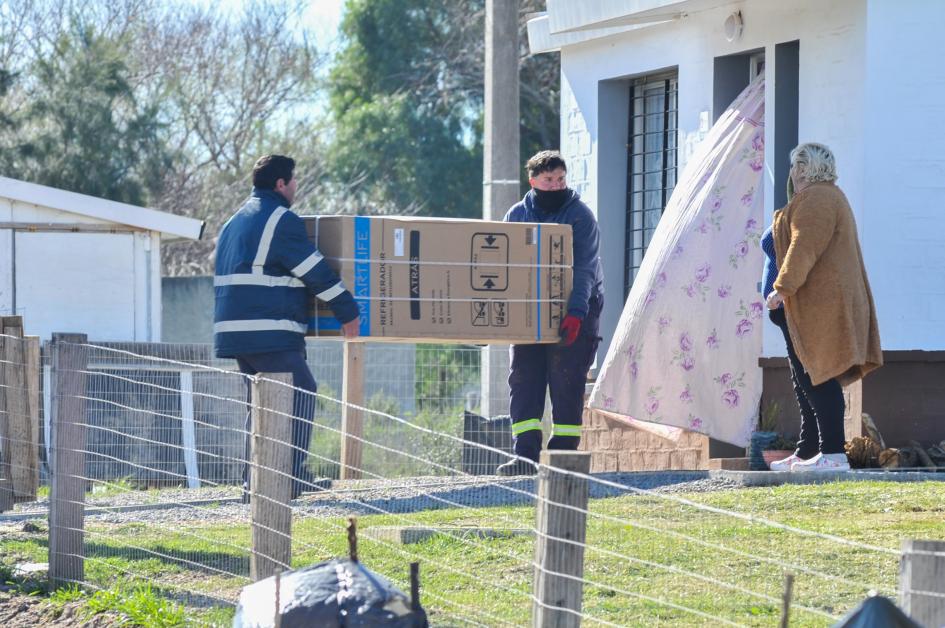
x,y
818,294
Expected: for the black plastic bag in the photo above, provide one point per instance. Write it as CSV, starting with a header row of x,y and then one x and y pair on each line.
x,y
336,593
876,612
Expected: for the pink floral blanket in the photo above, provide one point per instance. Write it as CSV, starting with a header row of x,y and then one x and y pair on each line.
x,y
686,350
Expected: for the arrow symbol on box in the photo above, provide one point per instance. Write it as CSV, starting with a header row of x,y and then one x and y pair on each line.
x,y
489,283
490,240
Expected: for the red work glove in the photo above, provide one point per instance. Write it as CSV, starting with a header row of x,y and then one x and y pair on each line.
x,y
569,330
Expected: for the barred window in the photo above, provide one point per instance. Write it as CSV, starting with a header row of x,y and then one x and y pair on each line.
x,y
651,172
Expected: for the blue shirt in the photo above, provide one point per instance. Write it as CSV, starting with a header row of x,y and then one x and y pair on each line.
x,y
770,272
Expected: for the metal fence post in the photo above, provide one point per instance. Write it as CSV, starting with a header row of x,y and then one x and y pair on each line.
x,y
271,475
559,547
188,430
68,461
922,581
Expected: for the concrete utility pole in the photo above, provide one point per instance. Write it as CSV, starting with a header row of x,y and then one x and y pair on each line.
x,y
500,187
500,166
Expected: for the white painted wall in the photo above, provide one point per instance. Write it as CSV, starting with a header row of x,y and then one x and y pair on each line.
x,y
840,105
903,223
106,285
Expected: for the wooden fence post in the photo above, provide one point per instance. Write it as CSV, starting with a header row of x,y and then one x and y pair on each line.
x,y
922,581
352,421
17,403
33,370
68,461
6,444
559,546
271,475
7,395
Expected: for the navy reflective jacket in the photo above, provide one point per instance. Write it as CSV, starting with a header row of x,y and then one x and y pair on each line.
x,y
265,268
588,275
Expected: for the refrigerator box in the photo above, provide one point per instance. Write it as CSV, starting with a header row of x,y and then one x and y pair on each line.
x,y
420,279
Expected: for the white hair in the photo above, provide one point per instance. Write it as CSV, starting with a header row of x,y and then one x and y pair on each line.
x,y
814,162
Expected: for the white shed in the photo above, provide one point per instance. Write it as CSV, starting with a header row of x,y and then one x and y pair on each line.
x,y
76,263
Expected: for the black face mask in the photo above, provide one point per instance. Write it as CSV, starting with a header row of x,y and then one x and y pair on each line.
x,y
551,200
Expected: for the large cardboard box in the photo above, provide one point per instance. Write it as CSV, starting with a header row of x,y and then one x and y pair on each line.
x,y
439,279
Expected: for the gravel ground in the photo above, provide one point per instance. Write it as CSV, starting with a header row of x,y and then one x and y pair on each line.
x,y
365,497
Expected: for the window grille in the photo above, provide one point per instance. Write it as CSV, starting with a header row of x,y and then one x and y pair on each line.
x,y
651,171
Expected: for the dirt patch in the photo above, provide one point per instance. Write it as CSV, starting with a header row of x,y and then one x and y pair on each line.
x,y
18,610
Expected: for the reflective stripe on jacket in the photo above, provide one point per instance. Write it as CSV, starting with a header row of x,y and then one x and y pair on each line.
x,y
265,268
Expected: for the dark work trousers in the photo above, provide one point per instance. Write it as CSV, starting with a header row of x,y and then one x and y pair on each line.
x,y
563,372
821,406
303,404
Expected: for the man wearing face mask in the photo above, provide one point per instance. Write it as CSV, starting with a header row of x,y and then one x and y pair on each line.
x,y
560,368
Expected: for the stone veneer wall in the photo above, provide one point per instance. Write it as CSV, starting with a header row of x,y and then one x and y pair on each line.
x,y
616,446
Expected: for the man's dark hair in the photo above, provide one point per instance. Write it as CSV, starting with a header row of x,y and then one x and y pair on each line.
x,y
544,161
271,168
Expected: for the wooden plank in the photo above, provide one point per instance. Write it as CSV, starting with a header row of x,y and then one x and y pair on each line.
x,y
187,429
728,464
559,548
21,458
68,440
271,475
922,581
352,421
33,366
853,410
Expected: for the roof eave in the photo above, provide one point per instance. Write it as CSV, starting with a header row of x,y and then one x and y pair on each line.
x,y
103,209
541,39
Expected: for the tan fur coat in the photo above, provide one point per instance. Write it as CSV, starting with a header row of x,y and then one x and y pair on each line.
x,y
827,297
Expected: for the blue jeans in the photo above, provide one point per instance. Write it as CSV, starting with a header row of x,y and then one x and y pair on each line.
x,y
303,403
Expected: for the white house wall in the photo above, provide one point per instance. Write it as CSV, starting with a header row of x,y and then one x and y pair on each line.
x,y
903,225
832,50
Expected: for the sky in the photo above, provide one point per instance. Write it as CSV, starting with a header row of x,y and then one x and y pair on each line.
x,y
322,17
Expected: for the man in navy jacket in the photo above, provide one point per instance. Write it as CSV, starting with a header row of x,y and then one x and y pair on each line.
x,y
265,268
562,368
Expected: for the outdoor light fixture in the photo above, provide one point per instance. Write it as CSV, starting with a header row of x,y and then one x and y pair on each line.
x,y
733,26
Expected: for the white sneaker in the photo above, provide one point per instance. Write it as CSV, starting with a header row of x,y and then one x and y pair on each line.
x,y
823,462
786,464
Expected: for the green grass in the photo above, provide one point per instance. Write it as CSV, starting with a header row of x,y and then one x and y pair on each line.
x,y
644,554
136,605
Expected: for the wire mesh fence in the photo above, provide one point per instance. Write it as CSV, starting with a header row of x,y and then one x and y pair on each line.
x,y
161,439
162,414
